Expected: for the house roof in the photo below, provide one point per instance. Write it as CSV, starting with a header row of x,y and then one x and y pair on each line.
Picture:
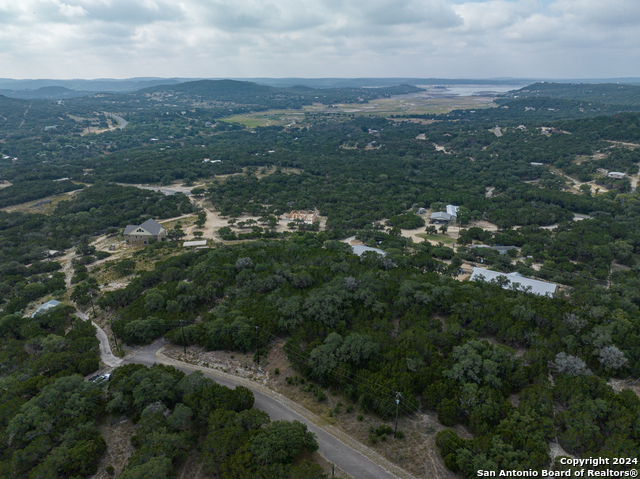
x,y
440,215
48,305
540,288
361,249
152,226
188,244
453,210
495,248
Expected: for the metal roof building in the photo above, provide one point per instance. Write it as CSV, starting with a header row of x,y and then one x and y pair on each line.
x,y
361,249
188,244
534,286
46,306
453,210
440,216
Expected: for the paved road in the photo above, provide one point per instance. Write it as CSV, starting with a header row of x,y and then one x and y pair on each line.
x,y
106,356
122,121
163,189
333,450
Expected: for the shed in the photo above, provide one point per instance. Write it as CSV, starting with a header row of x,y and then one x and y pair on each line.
x,y
189,244
540,288
453,211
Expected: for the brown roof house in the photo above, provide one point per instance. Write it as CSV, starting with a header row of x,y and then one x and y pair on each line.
x,y
142,234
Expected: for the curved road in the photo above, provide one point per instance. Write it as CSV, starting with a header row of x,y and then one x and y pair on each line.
x,y
106,356
332,449
121,120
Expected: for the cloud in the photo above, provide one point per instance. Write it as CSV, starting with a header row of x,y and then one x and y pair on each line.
x,y
216,38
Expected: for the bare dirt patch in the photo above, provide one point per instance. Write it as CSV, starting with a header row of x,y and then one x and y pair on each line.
x,y
119,448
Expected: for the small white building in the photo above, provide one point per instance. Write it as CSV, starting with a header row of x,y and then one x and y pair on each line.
x,y
617,175
535,163
191,244
453,211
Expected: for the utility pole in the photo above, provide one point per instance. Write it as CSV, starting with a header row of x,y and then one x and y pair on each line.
x,y
114,333
398,395
184,342
92,306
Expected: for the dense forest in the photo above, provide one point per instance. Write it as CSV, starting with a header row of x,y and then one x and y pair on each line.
x,y
517,370
371,327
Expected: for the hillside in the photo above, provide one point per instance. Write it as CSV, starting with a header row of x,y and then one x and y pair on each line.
x,y
249,93
608,93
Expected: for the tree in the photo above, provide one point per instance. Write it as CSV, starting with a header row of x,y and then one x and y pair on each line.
x,y
444,229
566,364
282,442
125,267
611,357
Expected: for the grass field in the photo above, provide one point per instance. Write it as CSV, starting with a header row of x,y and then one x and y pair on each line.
x,y
401,105
267,118
47,206
438,238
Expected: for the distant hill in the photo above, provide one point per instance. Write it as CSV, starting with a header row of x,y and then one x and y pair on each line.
x,y
606,93
87,86
45,93
249,93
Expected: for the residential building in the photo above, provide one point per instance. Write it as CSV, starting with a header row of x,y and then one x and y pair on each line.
x,y
499,249
142,234
361,249
541,288
440,218
46,306
617,175
302,215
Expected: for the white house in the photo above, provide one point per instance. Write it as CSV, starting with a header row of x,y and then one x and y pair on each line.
x,y
617,175
541,288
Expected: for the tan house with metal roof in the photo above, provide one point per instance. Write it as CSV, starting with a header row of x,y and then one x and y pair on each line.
x,y
142,234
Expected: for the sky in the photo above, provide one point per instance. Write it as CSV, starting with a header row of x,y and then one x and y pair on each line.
x,y
62,39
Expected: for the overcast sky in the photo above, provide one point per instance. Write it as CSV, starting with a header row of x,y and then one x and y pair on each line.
x,y
319,38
